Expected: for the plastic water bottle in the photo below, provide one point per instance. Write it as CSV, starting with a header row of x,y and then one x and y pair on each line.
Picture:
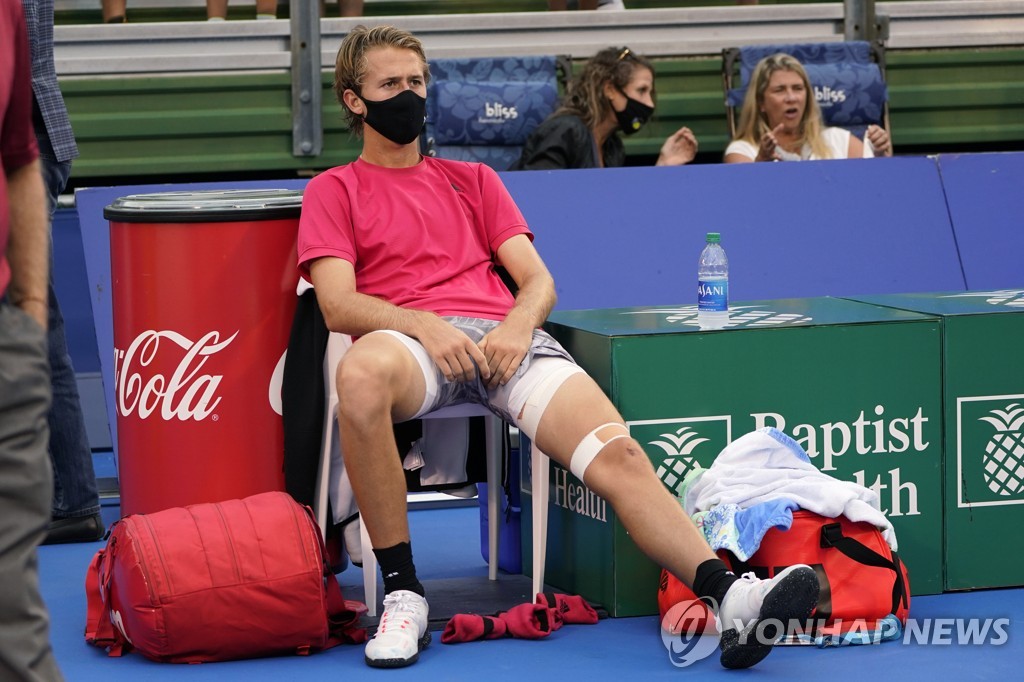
x,y
713,285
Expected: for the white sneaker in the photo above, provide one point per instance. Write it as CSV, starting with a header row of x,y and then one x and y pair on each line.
x,y
789,596
401,633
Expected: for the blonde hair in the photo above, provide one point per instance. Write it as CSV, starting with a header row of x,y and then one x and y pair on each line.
x,y
585,94
754,123
350,65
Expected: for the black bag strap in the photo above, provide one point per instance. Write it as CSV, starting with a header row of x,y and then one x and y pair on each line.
x,y
832,536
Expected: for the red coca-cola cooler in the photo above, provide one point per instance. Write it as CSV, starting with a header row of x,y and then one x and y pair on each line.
x,y
203,290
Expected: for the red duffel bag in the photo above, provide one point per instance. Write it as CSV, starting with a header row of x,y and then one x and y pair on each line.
x,y
219,581
862,581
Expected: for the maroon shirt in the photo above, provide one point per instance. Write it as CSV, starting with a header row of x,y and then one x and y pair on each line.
x,y
17,137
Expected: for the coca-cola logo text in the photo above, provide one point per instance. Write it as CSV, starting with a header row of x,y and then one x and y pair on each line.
x,y
187,394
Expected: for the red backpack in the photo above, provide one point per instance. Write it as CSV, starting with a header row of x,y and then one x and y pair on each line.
x,y
218,581
862,581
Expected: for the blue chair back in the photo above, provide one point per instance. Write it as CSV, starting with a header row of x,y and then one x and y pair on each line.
x,y
484,109
848,79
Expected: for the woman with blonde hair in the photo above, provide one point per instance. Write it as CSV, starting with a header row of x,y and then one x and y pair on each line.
x,y
781,121
614,93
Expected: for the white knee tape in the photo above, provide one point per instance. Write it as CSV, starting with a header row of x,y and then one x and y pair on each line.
x,y
588,448
537,401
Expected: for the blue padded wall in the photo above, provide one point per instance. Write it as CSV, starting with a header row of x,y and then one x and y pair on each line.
x,y
983,193
632,236
71,283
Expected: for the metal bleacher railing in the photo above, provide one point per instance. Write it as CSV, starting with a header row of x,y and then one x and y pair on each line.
x,y
215,47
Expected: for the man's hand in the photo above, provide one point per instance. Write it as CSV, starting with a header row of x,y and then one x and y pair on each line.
x,y
451,350
505,346
679,148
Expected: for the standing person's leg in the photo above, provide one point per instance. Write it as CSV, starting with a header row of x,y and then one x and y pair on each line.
x,y
114,11
350,8
580,429
379,382
25,491
563,5
216,10
266,9
76,502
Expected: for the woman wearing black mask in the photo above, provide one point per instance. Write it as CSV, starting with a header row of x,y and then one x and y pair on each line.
x,y
613,94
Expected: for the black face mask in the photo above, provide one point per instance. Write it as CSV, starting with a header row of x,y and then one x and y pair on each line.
x,y
399,119
633,117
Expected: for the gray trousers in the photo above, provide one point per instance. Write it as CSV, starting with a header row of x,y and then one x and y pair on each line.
x,y
26,488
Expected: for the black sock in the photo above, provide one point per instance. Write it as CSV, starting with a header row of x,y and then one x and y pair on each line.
x,y
397,568
712,581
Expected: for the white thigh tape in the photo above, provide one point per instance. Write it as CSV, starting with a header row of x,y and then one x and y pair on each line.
x,y
588,448
539,398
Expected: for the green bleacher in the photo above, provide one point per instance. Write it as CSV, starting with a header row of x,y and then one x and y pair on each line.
x,y
237,124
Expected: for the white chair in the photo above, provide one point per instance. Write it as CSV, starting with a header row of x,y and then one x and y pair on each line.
x,y
337,344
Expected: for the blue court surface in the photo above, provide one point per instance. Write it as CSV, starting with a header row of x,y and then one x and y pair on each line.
x,y
447,546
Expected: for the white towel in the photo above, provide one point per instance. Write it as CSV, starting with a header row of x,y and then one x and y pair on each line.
x,y
769,465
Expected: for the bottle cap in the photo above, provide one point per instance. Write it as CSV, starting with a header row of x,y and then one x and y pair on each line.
x,y
714,237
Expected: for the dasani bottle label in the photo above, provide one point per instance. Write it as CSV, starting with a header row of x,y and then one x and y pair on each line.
x,y
713,295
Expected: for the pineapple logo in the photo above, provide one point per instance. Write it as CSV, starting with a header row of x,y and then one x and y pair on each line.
x,y
678,446
990,450
1003,461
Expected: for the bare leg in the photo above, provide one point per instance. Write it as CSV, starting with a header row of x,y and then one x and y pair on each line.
x,y
113,10
216,9
350,8
379,382
623,475
266,8
562,5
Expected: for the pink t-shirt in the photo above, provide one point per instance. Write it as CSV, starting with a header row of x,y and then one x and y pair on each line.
x,y
420,237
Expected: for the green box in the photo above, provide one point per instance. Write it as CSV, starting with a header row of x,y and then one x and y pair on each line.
x,y
983,404
857,385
